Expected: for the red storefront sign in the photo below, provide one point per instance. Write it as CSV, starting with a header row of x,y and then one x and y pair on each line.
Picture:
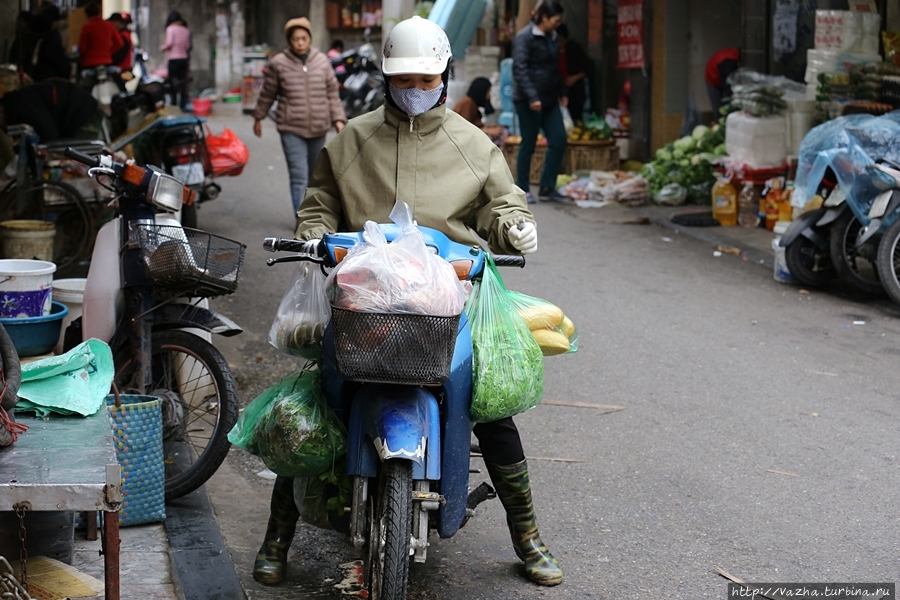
x,y
631,34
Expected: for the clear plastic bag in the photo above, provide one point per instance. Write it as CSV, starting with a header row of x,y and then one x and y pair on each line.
x,y
508,366
304,312
291,428
552,329
401,276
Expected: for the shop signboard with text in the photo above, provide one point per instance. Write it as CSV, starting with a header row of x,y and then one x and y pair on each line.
x,y
631,34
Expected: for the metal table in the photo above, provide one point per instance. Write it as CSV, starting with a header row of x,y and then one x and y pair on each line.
x,y
67,463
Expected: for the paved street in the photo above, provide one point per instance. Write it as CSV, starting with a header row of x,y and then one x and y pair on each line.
x,y
757,432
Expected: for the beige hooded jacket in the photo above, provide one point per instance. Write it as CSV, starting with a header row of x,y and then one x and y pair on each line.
x,y
308,97
451,175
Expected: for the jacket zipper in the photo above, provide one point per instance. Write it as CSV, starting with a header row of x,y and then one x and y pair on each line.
x,y
411,119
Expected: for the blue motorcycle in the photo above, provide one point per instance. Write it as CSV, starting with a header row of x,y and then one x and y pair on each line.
x,y
402,384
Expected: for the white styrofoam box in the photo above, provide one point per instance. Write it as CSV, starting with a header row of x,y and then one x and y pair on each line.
x,y
820,61
758,142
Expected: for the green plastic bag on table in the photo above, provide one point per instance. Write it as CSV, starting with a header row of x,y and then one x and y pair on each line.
x,y
551,328
508,369
291,427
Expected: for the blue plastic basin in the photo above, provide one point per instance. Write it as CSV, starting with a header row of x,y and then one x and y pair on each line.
x,y
33,336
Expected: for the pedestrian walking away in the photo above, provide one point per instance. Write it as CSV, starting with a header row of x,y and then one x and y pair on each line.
x,y
538,92
178,46
454,179
302,80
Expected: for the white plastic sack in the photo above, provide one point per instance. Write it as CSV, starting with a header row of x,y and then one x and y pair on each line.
x,y
299,324
402,276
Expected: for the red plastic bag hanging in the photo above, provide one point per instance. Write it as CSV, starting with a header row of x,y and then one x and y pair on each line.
x,y
227,153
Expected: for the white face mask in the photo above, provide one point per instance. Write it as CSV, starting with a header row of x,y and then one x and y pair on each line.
x,y
414,101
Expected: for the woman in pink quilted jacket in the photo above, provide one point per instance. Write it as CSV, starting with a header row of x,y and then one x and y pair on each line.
x,y
303,82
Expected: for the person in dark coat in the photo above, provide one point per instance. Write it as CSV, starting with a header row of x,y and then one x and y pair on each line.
x,y
469,107
574,65
538,93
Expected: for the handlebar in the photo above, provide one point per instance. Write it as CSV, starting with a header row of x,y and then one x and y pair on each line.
x,y
85,159
508,260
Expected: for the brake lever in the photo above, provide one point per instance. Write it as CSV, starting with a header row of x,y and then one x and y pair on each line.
x,y
295,258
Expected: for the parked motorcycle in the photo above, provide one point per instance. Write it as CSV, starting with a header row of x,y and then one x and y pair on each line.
x,y
807,240
100,81
409,440
148,281
360,78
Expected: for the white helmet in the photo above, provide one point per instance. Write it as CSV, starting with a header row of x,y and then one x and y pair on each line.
x,y
416,46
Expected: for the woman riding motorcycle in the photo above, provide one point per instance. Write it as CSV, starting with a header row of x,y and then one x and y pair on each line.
x,y
454,179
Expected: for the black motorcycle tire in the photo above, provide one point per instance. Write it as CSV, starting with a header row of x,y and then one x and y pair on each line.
x,y
889,261
204,459
809,264
850,264
390,525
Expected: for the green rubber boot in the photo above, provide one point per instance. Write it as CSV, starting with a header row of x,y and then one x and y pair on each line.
x,y
271,561
514,490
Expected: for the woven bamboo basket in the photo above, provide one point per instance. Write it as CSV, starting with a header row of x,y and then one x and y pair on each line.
x,y
579,156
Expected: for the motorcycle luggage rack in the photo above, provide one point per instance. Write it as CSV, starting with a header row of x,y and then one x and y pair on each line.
x,y
403,349
189,261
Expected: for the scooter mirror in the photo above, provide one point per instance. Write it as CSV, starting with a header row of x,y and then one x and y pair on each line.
x,y
165,192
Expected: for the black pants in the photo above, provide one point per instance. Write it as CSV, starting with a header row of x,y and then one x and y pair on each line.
x,y
500,442
178,73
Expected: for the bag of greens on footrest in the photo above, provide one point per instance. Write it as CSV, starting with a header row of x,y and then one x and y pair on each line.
x,y
291,427
508,364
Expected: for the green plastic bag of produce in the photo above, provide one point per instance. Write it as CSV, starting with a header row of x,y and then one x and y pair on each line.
x,y
508,368
291,427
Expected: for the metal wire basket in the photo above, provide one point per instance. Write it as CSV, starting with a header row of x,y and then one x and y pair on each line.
x,y
190,261
393,348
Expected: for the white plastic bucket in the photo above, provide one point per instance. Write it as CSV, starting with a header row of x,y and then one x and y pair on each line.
x,y
25,287
27,239
782,273
71,293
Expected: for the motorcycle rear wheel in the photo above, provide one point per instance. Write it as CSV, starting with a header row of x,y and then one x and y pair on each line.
x,y
889,261
856,266
390,528
200,406
809,264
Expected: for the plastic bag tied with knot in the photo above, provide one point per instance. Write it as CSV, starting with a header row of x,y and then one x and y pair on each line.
x,y
291,427
299,324
508,367
401,276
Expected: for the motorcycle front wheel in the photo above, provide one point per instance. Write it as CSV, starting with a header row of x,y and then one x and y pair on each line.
x,y
390,529
199,406
808,263
855,265
889,261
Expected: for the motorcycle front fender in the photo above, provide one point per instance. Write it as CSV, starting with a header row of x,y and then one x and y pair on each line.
x,y
803,225
185,316
391,422
832,214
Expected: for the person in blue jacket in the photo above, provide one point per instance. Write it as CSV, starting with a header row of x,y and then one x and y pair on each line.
x,y
538,92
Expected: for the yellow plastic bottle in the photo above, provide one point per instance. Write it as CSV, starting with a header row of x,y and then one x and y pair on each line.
x,y
724,202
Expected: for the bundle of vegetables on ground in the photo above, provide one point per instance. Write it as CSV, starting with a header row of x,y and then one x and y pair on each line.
x,y
551,328
291,427
688,162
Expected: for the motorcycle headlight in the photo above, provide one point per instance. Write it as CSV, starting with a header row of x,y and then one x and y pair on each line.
x,y
165,191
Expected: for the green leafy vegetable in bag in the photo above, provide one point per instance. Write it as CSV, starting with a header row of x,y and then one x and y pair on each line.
x,y
508,364
291,428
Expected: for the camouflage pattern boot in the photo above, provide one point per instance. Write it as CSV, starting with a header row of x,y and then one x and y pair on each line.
x,y
271,561
514,490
